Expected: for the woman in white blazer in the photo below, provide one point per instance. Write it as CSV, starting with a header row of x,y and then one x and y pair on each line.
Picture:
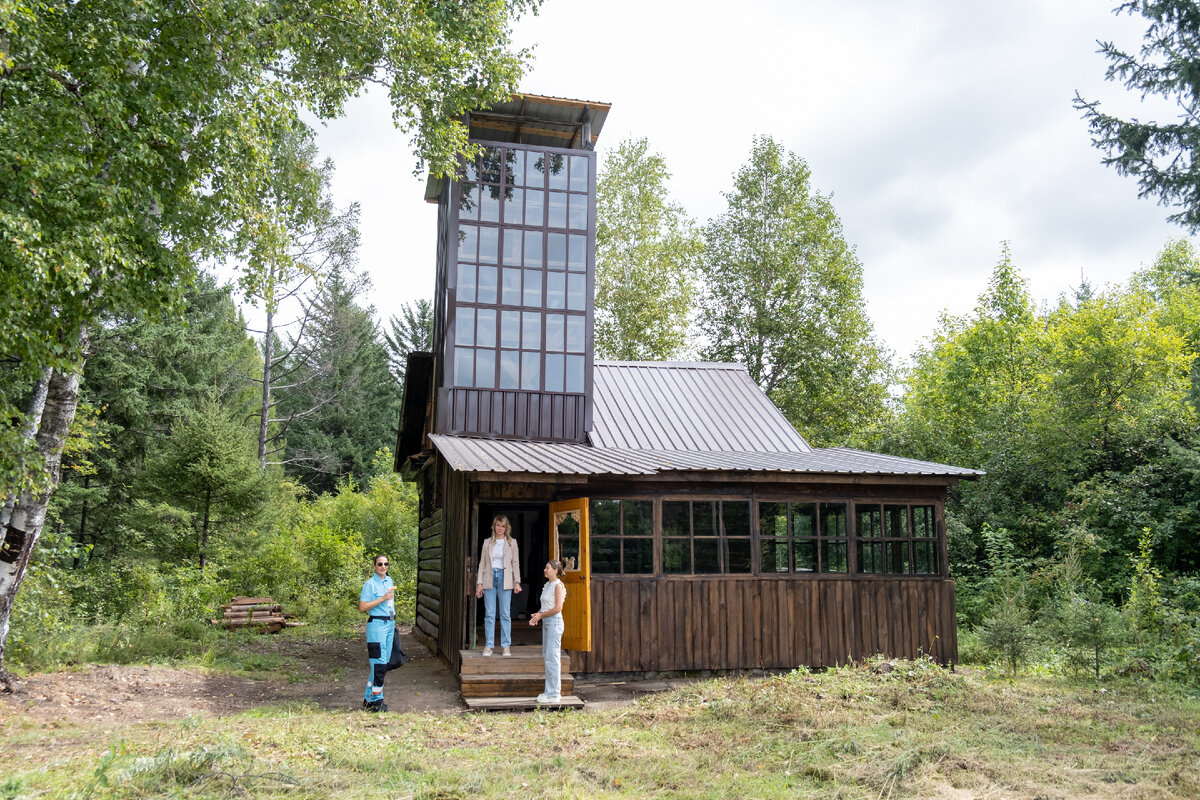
x,y
499,577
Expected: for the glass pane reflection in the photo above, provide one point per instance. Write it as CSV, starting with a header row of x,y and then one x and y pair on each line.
x,y
509,369
531,371
554,372
466,283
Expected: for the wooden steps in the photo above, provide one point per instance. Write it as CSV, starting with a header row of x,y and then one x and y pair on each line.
x,y
516,677
520,703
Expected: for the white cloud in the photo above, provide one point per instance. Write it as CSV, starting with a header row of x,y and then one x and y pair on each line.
x,y
941,128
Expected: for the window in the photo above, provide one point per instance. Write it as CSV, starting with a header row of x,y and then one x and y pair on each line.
x,y
622,536
523,217
706,537
802,537
896,539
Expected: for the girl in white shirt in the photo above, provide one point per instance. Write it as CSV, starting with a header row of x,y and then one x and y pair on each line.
x,y
553,596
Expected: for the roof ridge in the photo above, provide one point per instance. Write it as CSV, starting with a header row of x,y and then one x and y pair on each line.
x,y
673,364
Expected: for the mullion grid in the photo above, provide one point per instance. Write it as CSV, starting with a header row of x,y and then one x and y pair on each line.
x,y
892,554
503,174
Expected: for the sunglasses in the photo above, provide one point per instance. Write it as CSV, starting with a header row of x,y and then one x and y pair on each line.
x,y
382,564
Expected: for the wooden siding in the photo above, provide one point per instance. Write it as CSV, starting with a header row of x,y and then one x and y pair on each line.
x,y
441,577
724,622
520,415
428,619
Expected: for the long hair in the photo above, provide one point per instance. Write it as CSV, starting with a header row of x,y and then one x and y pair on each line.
x,y
507,526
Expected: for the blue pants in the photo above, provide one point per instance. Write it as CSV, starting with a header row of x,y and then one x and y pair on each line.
x,y
490,598
383,654
552,632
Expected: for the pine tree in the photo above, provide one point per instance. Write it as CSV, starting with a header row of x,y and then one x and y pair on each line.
x,y
344,404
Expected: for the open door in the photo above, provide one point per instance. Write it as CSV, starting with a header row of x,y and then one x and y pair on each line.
x,y
569,544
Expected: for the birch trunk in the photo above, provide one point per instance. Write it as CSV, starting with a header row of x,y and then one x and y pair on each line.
x,y
33,418
29,514
265,410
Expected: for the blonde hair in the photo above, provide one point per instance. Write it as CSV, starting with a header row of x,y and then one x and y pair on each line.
x,y
507,526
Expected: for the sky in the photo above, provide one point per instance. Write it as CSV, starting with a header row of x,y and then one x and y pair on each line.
x,y
940,128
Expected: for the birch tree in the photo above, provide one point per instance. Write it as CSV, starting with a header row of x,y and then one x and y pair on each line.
x,y
137,139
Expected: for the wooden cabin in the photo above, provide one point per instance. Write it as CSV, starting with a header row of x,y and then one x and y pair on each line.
x,y
700,530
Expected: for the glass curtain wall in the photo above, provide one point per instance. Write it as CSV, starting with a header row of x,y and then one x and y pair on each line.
x,y
522,269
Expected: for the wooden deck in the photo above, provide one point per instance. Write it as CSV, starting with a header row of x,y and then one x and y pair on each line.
x,y
520,676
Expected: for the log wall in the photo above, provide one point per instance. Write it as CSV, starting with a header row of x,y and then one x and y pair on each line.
x,y
726,622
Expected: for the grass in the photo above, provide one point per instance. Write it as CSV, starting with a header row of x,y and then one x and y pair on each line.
x,y
181,644
858,732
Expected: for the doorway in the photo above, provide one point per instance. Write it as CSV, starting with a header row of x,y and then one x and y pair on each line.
x,y
530,530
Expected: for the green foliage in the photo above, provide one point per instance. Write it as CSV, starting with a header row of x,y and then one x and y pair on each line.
x,y
646,254
318,559
346,404
1008,632
411,331
207,469
1145,607
1086,628
783,296
143,377
1074,412
1160,155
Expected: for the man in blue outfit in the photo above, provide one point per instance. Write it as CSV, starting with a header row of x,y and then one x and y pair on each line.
x,y
377,600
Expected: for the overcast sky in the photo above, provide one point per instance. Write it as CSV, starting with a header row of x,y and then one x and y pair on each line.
x,y
941,128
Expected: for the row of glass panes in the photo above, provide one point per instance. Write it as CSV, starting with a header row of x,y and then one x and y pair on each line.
x,y
519,330
521,287
681,556
531,207
515,167
794,537
522,248
918,556
488,368
893,521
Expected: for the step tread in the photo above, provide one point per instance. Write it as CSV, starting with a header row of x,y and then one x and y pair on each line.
x,y
519,703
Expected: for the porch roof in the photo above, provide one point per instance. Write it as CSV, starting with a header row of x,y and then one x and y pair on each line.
x,y
469,454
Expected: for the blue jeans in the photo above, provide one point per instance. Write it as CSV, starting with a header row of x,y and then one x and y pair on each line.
x,y
552,632
490,596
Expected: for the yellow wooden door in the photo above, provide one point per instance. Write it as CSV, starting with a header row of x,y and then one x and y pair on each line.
x,y
569,544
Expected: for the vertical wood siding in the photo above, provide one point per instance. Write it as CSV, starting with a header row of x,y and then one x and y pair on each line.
x,y
521,415
744,623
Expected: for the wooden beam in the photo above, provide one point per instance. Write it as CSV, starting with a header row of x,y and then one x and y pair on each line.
x,y
496,125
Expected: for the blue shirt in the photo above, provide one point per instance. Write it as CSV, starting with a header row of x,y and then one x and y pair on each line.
x,y
375,588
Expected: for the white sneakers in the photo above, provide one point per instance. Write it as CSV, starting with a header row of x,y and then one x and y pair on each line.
x,y
507,652
549,698
487,651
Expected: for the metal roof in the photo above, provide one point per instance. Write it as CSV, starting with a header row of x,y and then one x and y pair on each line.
x,y
467,454
540,120
687,406
652,418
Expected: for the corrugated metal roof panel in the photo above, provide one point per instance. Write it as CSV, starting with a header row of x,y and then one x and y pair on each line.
x,y
551,458
687,406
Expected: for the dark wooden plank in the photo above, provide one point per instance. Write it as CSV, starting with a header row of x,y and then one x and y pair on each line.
x,y
667,625
519,703
648,653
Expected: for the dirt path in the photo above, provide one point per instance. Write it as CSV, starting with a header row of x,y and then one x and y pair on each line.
x,y
329,673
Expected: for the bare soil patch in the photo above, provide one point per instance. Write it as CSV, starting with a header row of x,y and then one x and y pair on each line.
x,y
328,673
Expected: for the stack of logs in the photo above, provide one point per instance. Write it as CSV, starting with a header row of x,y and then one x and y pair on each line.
x,y
260,613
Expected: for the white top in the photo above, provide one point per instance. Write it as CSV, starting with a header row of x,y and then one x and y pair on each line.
x,y
548,597
498,555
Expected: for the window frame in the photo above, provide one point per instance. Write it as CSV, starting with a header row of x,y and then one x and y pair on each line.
x,y
622,536
474,180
